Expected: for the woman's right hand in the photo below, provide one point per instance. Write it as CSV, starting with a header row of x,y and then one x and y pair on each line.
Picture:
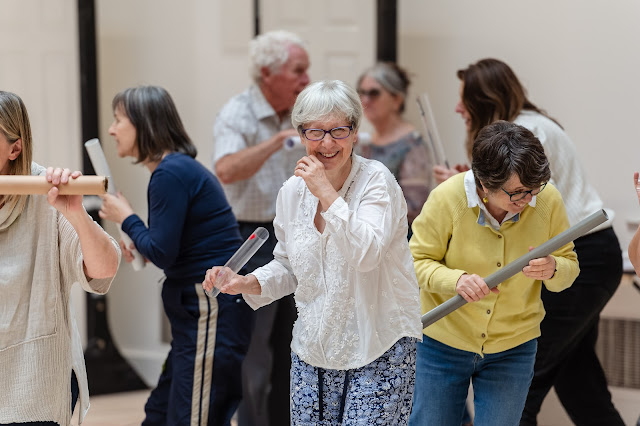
x,y
315,177
229,282
115,208
473,288
636,184
442,173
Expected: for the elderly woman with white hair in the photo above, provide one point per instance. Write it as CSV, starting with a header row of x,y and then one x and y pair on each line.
x,y
342,251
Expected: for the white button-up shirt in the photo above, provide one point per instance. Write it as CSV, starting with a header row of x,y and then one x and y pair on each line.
x,y
354,285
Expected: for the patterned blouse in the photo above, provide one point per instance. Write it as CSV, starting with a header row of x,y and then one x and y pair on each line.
x,y
411,162
354,285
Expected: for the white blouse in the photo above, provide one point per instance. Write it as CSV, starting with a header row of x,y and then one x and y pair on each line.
x,y
354,285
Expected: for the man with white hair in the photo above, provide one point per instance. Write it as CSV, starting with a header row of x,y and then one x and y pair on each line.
x,y
249,134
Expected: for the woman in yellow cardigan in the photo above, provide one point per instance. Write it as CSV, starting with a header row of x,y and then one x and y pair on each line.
x,y
472,225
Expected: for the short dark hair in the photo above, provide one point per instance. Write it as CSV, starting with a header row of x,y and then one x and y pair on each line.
x,y
158,125
502,149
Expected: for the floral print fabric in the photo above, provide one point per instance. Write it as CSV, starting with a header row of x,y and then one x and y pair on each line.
x,y
379,393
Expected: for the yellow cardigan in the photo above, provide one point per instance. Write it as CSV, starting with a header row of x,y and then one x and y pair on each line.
x,y
447,241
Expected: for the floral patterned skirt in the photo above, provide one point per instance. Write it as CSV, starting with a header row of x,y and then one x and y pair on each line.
x,y
379,393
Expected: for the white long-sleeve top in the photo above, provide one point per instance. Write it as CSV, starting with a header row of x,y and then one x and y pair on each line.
x,y
567,173
354,285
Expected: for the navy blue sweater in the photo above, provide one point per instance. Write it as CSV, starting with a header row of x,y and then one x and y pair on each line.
x,y
191,225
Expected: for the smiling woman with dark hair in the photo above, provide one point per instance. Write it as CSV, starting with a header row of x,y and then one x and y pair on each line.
x,y
471,226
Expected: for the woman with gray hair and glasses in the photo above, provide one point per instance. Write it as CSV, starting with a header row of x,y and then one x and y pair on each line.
x,y
396,143
343,252
471,226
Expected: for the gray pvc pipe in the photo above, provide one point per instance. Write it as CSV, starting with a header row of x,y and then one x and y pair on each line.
x,y
516,266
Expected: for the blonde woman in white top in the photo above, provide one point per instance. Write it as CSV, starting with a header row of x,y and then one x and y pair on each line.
x,y
342,251
47,244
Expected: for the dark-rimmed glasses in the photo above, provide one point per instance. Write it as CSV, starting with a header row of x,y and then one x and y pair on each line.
x,y
371,94
341,132
517,196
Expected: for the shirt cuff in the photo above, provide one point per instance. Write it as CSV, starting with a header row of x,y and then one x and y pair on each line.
x,y
337,213
129,222
264,298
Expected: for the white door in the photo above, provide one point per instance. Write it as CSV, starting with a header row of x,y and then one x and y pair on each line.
x,y
340,33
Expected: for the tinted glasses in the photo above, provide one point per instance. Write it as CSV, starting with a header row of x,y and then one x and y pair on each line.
x,y
371,94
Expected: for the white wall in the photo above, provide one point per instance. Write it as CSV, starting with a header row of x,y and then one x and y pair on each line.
x,y
579,61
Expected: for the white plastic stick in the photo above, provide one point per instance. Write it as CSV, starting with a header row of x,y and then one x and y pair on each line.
x,y
432,131
242,255
100,165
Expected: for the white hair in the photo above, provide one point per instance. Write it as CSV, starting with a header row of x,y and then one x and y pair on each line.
x,y
327,99
271,50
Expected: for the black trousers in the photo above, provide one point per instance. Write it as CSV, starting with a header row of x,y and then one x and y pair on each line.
x,y
266,368
566,357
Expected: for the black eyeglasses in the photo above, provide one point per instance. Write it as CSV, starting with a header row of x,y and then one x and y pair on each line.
x,y
336,133
371,94
517,196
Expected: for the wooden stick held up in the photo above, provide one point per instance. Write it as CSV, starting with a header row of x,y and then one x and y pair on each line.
x,y
27,185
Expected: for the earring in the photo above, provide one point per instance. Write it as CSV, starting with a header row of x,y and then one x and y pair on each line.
x,y
485,199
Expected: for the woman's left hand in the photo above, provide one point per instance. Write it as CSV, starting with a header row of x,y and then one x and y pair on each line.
x,y
65,204
115,208
636,184
542,268
312,171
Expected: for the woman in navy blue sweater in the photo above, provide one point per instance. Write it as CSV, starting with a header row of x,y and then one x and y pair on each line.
x,y
190,227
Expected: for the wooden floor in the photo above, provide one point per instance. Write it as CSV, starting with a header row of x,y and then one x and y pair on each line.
x,y
117,409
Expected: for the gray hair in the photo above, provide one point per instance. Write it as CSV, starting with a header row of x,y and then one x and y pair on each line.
x,y
271,50
391,77
326,99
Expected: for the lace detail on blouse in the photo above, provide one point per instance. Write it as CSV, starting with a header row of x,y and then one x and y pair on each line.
x,y
354,285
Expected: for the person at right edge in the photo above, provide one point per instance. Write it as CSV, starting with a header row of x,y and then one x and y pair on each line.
x,y
249,134
634,245
566,357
